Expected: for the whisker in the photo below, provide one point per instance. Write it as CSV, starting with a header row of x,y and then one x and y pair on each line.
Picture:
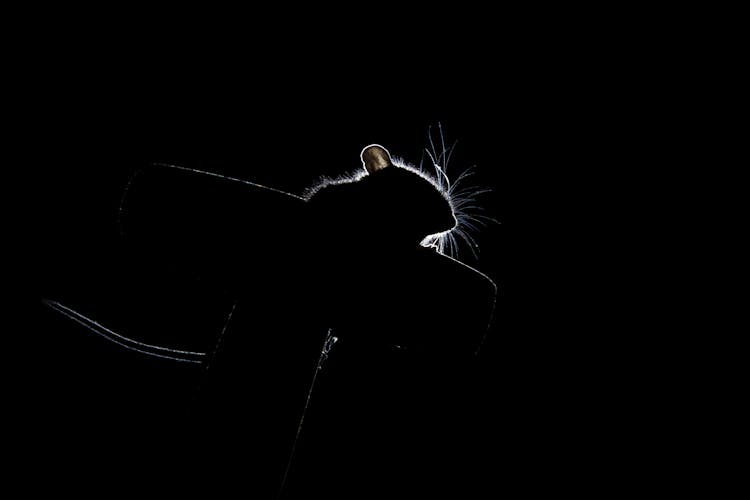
x,y
464,175
450,153
487,218
469,241
469,224
432,144
442,143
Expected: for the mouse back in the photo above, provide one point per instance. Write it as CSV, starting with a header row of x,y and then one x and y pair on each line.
x,y
209,226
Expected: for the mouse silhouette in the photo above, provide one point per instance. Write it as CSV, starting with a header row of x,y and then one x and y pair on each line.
x,y
350,272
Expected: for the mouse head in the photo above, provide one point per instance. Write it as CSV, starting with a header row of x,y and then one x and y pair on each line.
x,y
399,201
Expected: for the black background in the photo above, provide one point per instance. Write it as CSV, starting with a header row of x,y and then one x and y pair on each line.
x,y
557,385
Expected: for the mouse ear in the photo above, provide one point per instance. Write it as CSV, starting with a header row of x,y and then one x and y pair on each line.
x,y
375,157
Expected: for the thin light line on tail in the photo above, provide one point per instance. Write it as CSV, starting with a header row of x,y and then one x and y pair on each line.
x,y
128,343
